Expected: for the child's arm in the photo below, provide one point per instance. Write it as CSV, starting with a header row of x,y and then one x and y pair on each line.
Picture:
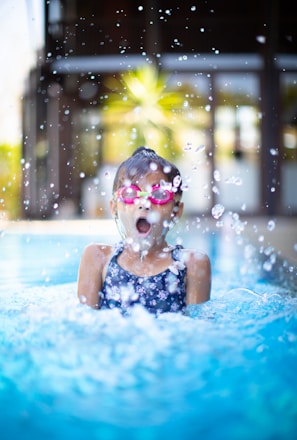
x,y
198,277
90,275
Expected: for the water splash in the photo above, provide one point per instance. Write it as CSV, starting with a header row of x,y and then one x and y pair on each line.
x,y
98,368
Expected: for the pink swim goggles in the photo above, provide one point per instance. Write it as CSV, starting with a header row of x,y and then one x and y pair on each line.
x,y
158,195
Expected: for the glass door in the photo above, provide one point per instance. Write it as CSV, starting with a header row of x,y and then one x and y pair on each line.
x,y
237,142
289,143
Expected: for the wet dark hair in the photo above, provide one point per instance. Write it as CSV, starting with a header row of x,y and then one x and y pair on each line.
x,y
145,160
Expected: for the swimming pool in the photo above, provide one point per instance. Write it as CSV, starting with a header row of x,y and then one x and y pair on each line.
x,y
225,371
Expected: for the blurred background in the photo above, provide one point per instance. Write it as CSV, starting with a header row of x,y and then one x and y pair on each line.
x,y
211,85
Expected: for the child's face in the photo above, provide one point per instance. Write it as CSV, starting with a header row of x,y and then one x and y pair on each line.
x,y
144,223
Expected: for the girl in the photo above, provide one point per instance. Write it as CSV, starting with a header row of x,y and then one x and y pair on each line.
x,y
143,268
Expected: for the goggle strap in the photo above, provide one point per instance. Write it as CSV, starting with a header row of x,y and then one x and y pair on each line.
x,y
143,194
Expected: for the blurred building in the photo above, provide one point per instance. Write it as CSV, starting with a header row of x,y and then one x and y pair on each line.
x,y
240,57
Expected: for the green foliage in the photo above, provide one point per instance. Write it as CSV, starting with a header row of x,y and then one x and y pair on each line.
x,y
142,109
10,180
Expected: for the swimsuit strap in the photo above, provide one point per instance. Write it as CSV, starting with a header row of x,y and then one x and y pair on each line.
x,y
176,252
118,249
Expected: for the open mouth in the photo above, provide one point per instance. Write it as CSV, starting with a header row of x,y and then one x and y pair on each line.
x,y
143,226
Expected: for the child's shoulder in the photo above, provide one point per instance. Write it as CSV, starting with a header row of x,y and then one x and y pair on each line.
x,y
194,258
98,251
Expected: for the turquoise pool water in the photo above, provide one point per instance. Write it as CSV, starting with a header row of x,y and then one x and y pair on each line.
x,y
225,371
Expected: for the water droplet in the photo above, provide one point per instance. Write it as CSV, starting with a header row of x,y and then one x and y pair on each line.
x,y
82,175
267,266
261,39
268,251
167,223
200,148
185,187
166,185
273,151
217,211
153,166
153,217
167,169
188,146
217,175
271,225
176,181
83,299
235,180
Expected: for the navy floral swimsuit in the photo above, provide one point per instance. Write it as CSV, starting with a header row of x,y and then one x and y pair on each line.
x,y
164,292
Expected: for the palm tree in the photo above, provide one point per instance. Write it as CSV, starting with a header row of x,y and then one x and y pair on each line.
x,y
142,109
